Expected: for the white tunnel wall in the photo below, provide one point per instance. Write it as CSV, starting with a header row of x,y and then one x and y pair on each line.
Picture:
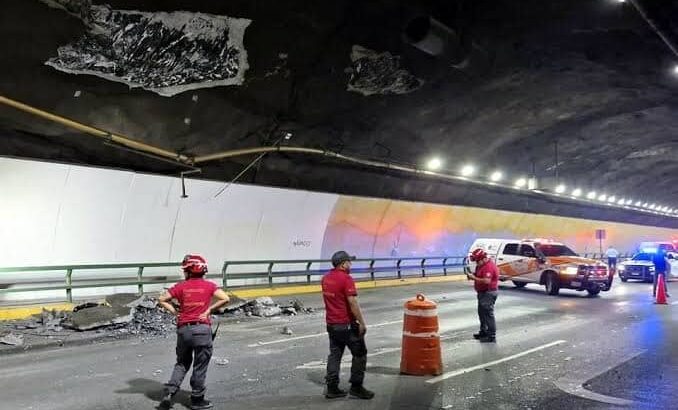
x,y
56,214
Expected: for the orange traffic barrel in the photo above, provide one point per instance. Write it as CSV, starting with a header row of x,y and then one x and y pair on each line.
x,y
421,342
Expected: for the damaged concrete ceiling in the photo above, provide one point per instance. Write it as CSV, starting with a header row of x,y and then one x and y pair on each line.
x,y
498,83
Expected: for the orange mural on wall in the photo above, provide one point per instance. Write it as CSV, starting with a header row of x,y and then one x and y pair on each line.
x,y
380,227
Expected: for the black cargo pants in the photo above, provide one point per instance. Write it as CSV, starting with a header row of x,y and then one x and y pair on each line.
x,y
342,336
194,346
486,302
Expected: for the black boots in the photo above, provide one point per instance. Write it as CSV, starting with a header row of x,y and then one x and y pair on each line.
x,y
357,390
166,402
479,335
360,392
199,403
334,392
488,339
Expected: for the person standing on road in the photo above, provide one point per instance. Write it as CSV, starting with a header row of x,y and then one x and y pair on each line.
x,y
485,280
194,331
346,327
612,254
661,267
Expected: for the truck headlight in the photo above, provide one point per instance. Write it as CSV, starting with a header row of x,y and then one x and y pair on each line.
x,y
651,268
570,270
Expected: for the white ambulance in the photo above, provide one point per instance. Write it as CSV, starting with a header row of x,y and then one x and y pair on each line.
x,y
544,262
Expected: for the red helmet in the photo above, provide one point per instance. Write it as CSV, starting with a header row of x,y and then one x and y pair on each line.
x,y
478,255
194,264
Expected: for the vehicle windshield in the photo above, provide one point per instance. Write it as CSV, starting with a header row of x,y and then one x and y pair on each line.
x,y
642,257
556,250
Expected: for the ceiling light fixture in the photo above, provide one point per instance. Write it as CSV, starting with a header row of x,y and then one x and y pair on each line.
x,y
496,176
467,170
576,192
560,189
434,164
591,195
520,182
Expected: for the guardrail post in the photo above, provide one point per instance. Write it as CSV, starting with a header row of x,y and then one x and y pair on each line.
x,y
140,283
69,291
445,267
423,269
270,274
224,276
372,269
398,267
308,274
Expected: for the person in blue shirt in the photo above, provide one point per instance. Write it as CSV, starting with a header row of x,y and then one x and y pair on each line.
x,y
661,267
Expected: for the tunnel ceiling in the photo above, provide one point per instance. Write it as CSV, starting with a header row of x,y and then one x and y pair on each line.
x,y
497,83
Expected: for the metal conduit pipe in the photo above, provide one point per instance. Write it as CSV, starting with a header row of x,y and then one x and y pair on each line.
x,y
108,136
403,168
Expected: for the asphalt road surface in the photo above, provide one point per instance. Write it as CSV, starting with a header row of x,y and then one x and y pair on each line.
x,y
566,352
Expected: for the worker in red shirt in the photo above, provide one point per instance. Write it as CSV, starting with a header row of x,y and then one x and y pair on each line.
x,y
485,279
194,331
346,328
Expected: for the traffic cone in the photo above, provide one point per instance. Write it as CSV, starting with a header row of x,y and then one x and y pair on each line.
x,y
421,354
661,291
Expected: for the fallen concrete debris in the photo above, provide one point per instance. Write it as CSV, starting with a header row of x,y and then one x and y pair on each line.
x,y
235,304
12,340
221,361
85,306
287,331
265,307
289,310
128,315
99,316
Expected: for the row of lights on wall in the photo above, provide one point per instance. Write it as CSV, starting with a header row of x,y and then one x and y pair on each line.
x,y
495,178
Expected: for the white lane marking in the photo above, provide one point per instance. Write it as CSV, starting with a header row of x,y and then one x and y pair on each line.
x,y
321,364
575,387
393,322
458,325
455,373
289,339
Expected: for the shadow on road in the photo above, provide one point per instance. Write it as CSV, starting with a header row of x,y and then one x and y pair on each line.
x,y
153,389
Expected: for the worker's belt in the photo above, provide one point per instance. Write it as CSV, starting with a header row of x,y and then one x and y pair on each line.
x,y
193,324
341,326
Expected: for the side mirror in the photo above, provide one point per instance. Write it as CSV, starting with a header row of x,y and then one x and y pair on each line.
x,y
541,259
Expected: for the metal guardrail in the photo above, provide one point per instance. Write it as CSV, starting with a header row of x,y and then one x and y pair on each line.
x,y
424,266
87,283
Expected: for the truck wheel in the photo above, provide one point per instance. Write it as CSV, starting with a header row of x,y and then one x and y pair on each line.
x,y
519,284
593,292
552,284
624,279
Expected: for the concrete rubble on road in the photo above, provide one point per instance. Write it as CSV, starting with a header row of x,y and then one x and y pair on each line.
x,y
127,314
12,340
264,307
